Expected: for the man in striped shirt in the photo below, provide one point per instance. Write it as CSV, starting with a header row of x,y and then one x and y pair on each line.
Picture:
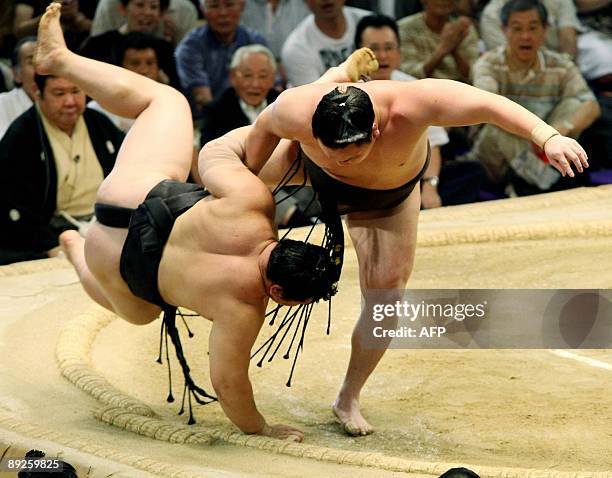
x,y
546,83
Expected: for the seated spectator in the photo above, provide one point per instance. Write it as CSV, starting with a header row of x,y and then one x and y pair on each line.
x,y
179,19
75,22
275,20
15,102
322,40
592,50
252,73
435,44
138,53
141,16
53,159
459,473
204,55
444,183
545,82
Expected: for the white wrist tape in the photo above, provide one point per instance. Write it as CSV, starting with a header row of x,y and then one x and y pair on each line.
x,y
542,133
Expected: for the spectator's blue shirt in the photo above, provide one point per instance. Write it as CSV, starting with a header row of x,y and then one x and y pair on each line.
x,y
201,60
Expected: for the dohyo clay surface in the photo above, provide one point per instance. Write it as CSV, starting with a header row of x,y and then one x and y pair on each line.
x,y
77,381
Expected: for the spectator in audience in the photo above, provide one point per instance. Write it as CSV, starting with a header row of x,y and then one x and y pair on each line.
x,y
459,473
53,159
592,50
75,22
444,183
15,102
275,20
438,44
179,19
252,72
545,82
204,55
320,41
141,16
138,53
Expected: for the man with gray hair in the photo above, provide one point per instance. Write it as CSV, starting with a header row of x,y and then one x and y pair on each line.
x,y
252,73
202,58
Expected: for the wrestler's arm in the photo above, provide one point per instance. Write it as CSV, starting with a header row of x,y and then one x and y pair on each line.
x,y
451,103
282,119
230,343
222,170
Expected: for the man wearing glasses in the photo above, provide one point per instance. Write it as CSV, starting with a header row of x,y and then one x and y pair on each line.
x,y
204,55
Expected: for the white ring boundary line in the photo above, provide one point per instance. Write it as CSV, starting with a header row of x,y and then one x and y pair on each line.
x,y
582,358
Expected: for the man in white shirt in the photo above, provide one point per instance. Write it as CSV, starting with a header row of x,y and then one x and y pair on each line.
x,y
15,102
274,19
322,40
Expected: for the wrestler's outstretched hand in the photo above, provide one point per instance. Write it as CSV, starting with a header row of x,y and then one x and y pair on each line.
x,y
562,152
282,432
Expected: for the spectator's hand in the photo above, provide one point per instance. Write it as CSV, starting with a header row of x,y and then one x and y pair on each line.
x,y
429,197
451,36
562,152
282,432
465,23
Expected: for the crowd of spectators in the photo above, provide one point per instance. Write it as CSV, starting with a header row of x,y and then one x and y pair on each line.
x,y
232,58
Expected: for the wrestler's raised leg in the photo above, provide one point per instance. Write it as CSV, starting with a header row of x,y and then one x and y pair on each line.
x,y
159,144
73,246
379,242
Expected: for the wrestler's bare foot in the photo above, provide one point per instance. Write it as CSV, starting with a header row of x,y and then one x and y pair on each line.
x,y
360,63
51,44
73,246
350,418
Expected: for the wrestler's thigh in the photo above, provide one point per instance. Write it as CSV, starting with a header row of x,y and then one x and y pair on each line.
x,y
103,247
280,163
385,242
158,146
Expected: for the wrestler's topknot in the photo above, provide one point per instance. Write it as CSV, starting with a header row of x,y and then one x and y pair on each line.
x,y
343,117
304,271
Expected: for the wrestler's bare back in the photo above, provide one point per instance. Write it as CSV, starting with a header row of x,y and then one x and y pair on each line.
x,y
204,267
212,257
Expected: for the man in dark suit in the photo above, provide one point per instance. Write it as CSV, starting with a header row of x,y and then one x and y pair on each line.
x,y
53,159
252,74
